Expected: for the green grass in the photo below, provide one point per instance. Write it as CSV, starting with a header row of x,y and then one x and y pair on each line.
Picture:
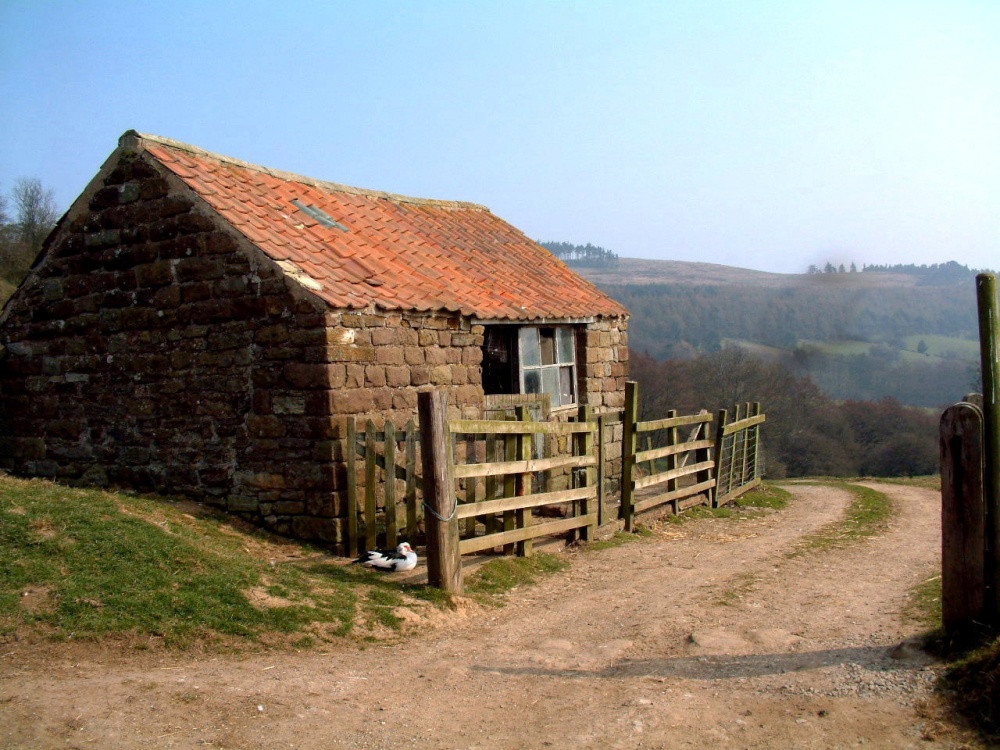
x,y
766,496
932,482
497,577
923,603
619,538
867,515
88,564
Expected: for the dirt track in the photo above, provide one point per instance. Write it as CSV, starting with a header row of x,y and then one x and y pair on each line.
x,y
706,636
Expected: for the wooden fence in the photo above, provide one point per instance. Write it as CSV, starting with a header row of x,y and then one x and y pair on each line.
x,y
517,478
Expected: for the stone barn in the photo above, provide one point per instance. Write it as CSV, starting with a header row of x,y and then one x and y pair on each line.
x,y
196,325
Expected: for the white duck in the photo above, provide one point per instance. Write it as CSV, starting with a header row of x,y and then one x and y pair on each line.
x,y
404,558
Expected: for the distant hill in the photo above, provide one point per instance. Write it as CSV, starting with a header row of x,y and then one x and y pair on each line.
x,y
638,271
896,331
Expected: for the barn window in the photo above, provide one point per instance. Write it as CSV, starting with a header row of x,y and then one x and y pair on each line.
x,y
531,360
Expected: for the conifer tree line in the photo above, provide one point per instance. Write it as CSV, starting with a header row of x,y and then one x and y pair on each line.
x,y
934,273
582,255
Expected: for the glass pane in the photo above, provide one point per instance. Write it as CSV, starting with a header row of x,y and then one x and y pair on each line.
x,y
547,338
566,385
532,381
567,345
531,356
550,384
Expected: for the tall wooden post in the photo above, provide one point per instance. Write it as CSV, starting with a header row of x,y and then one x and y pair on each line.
x,y
755,456
989,335
585,447
352,488
444,560
630,444
522,486
962,519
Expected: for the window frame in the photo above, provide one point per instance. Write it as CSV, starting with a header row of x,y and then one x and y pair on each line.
x,y
555,361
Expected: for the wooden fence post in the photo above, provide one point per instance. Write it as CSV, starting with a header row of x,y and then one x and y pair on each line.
x,y
352,488
989,343
630,443
412,521
673,438
389,449
523,451
601,478
585,446
963,570
444,560
755,456
371,485
511,447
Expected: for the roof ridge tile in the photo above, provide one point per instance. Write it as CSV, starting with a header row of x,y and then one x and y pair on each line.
x,y
135,140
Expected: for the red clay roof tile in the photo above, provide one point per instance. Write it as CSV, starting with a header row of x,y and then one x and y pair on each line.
x,y
429,255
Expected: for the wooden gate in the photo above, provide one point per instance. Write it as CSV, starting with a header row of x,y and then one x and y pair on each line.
x,y
382,485
503,483
737,453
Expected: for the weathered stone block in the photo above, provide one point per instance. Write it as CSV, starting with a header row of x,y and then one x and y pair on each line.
x,y
322,529
435,355
264,426
383,336
375,376
355,401
441,375
397,376
301,375
154,274
355,376
289,404
389,355
197,269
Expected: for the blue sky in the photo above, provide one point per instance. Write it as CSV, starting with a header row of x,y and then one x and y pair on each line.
x,y
766,135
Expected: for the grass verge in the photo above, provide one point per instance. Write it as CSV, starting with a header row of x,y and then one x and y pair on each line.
x,y
87,564
766,497
868,515
498,577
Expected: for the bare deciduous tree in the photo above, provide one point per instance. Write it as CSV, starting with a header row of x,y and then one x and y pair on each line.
x,y
21,235
36,211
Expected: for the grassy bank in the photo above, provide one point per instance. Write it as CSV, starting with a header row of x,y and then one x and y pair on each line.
x,y
78,563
